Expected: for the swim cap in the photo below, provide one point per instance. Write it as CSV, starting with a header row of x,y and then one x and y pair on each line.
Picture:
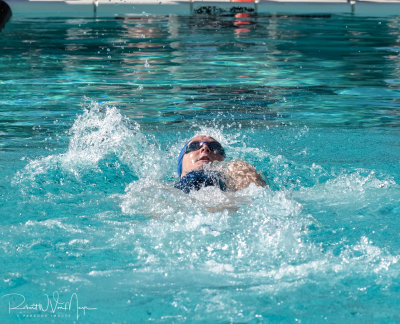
x,y
180,158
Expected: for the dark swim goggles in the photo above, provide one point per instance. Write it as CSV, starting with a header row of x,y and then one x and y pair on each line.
x,y
213,146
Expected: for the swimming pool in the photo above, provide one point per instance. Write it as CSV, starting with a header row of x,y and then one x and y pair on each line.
x,y
93,115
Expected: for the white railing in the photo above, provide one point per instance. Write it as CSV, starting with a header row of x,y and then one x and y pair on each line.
x,y
107,8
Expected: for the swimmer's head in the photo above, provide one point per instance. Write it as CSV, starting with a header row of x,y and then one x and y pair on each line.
x,y
197,152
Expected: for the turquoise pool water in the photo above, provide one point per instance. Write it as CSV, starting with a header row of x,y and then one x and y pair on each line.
x,y
93,113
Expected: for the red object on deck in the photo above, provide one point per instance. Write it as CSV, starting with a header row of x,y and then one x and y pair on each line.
x,y
242,15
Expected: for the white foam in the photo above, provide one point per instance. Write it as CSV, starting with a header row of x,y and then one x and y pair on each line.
x,y
254,232
99,132
55,223
348,189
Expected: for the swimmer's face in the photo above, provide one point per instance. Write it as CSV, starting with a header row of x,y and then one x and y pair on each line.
x,y
198,158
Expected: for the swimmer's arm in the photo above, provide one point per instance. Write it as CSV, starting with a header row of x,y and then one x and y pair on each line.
x,y
240,174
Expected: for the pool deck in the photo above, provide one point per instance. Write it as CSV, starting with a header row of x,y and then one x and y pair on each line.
x,y
121,8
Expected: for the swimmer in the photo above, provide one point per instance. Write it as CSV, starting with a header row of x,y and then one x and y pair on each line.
x,y
197,168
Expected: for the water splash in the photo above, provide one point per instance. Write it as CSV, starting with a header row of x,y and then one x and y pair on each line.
x,y
102,143
118,182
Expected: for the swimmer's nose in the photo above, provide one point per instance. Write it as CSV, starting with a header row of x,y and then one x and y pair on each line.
x,y
205,148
